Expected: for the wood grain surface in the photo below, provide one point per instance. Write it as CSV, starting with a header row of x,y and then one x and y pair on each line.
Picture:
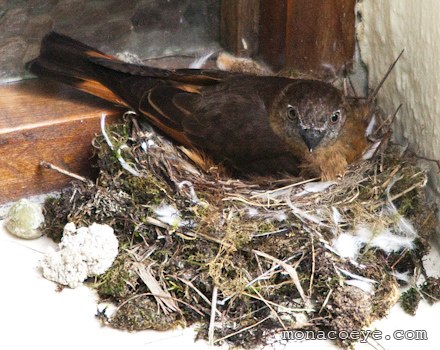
x,y
42,120
307,35
239,22
272,33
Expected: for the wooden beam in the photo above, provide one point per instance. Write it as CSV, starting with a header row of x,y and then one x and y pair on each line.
x,y
273,21
320,33
239,24
41,120
307,35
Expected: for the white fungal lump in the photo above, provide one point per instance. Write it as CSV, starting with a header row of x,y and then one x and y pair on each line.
x,y
82,253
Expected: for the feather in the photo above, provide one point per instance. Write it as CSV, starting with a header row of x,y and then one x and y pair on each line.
x,y
347,245
315,187
201,61
371,151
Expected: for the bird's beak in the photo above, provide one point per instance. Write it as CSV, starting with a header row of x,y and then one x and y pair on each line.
x,y
311,137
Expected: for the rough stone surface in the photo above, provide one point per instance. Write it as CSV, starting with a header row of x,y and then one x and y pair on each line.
x,y
12,50
118,6
145,28
36,7
66,10
13,22
3,4
111,33
32,52
37,27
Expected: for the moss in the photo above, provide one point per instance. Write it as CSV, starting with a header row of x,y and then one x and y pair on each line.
x,y
146,189
266,226
227,273
350,309
118,282
431,289
385,297
410,300
55,213
325,278
431,292
142,313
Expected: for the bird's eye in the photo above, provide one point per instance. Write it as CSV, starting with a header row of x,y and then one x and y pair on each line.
x,y
291,112
335,116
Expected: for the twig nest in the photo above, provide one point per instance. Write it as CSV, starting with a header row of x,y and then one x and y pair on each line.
x,y
82,253
24,219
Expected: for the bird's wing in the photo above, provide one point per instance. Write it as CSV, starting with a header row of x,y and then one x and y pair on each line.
x,y
218,112
228,121
200,77
164,96
167,107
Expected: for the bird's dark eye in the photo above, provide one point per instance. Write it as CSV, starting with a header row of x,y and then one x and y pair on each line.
x,y
335,116
291,112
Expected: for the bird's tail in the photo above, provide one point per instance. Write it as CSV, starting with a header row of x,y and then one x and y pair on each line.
x,y
71,62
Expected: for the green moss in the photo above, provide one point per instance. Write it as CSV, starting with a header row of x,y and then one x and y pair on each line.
x,y
147,189
410,300
117,282
142,313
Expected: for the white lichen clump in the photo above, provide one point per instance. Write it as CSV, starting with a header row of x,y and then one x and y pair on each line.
x,y
24,219
82,253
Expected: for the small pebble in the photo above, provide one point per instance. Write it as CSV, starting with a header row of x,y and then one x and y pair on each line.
x,y
24,219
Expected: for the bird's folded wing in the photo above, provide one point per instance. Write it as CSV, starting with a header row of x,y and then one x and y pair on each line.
x,y
167,107
188,76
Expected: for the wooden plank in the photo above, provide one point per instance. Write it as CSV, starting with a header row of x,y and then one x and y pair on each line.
x,y
272,39
307,35
320,33
41,120
239,24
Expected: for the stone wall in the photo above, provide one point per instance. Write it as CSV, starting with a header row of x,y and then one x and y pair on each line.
x,y
147,28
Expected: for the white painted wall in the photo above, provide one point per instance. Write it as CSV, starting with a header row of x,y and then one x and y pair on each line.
x,y
385,28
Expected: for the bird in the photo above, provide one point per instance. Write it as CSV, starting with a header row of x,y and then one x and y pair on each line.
x,y
253,125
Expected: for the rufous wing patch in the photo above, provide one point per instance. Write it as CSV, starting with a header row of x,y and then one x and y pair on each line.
x,y
96,54
96,88
199,159
174,134
189,88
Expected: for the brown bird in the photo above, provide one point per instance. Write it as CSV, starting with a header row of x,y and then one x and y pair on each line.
x,y
253,124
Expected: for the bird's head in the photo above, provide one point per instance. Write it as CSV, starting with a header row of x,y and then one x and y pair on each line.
x,y
309,111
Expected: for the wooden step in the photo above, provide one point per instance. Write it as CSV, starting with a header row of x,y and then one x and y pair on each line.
x,y
45,121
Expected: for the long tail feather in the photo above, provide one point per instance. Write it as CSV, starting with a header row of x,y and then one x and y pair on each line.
x,y
69,61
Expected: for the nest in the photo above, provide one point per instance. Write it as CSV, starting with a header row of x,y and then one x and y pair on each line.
x,y
246,259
